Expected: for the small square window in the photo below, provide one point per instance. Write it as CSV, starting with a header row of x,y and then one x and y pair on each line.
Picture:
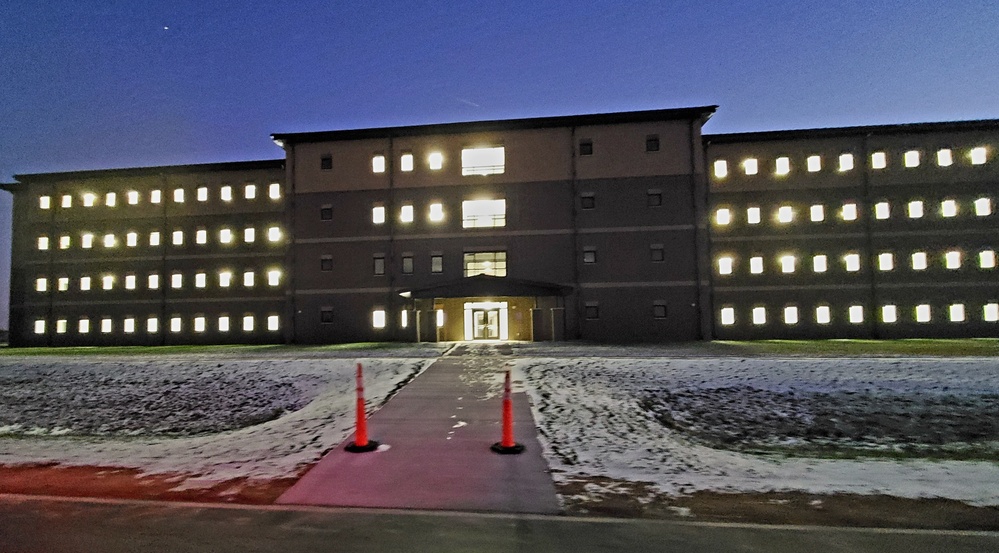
x,y
654,198
723,216
915,209
787,263
248,323
756,265
750,166
406,162
132,197
178,196
782,166
852,262
820,263
406,213
886,261
45,202
978,155
378,214
199,324
587,201
589,255
919,261
152,325
407,264
659,311
436,263
987,259
250,191
110,199
785,214
326,315
326,263
274,234
956,313
725,265
791,315
225,193
889,313
823,314
249,235
945,157
326,213
846,162
200,280
856,314
753,215
948,208
586,147
990,312
721,168
435,161
879,160
592,311
274,191
652,143
248,279
849,212
817,213
911,158
175,324
378,318
378,163
814,164
759,315
952,260
727,316
657,253
923,313
326,163
202,193
379,264
882,210
983,207
436,212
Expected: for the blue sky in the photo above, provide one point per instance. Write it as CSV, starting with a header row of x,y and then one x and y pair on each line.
x,y
88,84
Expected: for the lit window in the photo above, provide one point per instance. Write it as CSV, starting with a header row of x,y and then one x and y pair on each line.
x,y
756,265
378,318
201,236
724,265
952,260
750,166
945,158
110,199
41,284
486,263
846,162
43,242
273,322
915,209
273,234
89,199
133,197
130,282
889,313
817,213
176,280
45,202
436,212
753,215
406,162
378,164
249,235
132,239
923,313
483,161
225,193
823,314
178,196
882,210
957,313
63,284
200,280
274,191
250,191
919,261
67,201
107,282
879,160
199,324
225,279
225,236
406,213
983,207
202,193
791,315
440,317
404,318
785,214
849,212
483,213
152,325
109,240
155,196
64,242
40,326
814,164
723,216
175,324
990,312
856,314
378,214
911,158
154,238
728,316
987,259
273,277
783,166
787,263
759,315
61,326
84,326
248,278
721,169
224,323
435,161
978,155
886,261
106,326
948,208
178,238
852,262
153,281
85,283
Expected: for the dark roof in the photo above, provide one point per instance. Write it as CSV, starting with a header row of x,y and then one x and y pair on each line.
x,y
871,130
702,113
485,285
158,170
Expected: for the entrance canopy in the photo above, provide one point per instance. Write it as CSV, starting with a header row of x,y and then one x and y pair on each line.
x,y
485,285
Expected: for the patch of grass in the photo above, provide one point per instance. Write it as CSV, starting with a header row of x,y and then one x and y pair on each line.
x,y
968,452
966,347
198,349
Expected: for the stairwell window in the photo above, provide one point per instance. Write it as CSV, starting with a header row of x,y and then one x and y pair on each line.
x,y
489,160
483,213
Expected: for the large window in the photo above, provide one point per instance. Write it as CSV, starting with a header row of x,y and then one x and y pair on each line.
x,y
485,263
483,161
483,213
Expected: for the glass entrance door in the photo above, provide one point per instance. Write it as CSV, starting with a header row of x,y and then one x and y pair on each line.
x,y
485,324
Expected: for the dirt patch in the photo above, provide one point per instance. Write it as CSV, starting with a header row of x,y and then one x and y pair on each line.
x,y
125,483
602,496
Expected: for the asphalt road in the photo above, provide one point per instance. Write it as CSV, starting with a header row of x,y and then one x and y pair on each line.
x,y
36,525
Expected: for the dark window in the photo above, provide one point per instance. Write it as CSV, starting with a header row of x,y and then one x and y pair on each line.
x,y
326,163
407,264
588,201
590,255
379,264
436,263
655,198
326,213
652,143
657,253
586,147
592,312
326,315
326,263
659,311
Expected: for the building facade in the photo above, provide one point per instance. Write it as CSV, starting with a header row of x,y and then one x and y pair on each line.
x,y
611,227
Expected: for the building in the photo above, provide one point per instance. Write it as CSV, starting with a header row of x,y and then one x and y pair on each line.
x,y
609,227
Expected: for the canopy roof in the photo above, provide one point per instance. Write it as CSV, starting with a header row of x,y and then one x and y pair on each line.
x,y
485,285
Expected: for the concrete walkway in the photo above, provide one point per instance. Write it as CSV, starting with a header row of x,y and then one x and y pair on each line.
x,y
436,434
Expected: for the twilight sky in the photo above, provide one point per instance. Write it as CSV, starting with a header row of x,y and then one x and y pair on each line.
x,y
90,84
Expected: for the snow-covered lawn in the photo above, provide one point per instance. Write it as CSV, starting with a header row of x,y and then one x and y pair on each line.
x,y
685,425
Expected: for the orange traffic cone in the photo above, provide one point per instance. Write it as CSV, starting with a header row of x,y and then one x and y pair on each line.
x,y
507,446
361,442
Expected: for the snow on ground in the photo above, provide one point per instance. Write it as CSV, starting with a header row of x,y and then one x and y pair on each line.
x,y
217,417
604,417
